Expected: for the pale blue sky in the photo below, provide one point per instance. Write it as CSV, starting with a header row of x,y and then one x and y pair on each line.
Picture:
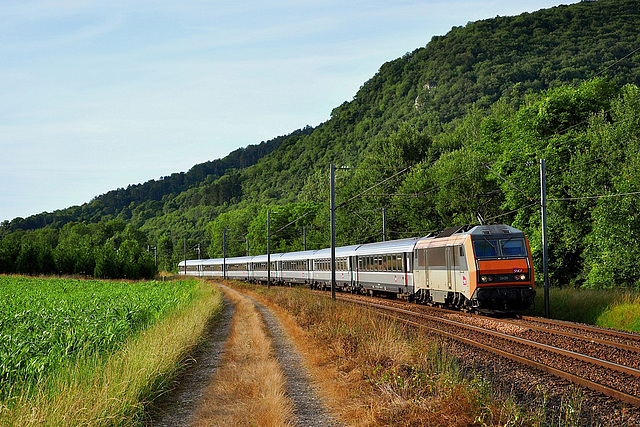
x,y
99,95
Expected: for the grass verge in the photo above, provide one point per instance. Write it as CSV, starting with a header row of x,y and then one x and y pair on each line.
x,y
249,387
611,308
113,390
374,371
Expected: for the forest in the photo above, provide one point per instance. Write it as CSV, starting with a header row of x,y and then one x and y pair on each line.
x,y
454,131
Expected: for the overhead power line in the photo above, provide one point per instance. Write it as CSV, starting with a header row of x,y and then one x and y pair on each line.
x,y
566,199
373,186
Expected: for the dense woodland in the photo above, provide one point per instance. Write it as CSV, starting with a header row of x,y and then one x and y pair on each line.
x,y
446,135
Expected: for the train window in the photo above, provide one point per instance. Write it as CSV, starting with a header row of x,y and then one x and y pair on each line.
x,y
513,247
485,248
422,257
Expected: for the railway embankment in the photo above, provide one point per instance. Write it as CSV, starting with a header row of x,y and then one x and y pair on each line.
x,y
376,370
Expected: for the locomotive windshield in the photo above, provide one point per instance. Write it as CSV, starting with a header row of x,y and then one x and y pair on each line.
x,y
514,247
488,248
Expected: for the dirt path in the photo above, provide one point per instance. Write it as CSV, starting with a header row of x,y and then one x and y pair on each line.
x,y
181,406
176,408
308,408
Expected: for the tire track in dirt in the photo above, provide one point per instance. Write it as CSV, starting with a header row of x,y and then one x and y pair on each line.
x,y
308,408
177,407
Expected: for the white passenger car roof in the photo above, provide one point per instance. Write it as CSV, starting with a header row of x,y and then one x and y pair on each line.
x,y
237,260
292,256
341,252
263,258
199,262
389,247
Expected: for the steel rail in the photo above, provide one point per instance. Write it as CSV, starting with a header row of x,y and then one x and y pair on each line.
x,y
600,388
562,323
579,356
612,333
625,397
609,343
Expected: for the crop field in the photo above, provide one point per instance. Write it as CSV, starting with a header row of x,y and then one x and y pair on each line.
x,y
47,323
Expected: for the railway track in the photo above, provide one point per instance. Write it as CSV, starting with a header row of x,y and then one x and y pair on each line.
x,y
602,360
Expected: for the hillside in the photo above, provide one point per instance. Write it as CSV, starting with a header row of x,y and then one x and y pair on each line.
x,y
444,108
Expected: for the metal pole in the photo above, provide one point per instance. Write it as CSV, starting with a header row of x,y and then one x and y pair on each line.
x,y
224,253
304,238
384,224
247,238
333,232
185,256
268,249
545,240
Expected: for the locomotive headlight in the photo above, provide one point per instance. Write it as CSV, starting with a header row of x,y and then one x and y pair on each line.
x,y
520,277
485,279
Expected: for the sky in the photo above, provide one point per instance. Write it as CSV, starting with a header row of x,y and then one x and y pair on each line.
x,y
98,95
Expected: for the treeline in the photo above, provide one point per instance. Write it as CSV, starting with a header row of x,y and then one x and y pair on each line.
x,y
110,250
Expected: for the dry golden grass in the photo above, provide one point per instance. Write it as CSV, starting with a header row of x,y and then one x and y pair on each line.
x,y
373,371
249,387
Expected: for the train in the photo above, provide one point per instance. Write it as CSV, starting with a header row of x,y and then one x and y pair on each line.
x,y
479,268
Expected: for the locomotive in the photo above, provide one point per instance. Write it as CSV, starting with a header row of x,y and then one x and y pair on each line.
x,y
481,268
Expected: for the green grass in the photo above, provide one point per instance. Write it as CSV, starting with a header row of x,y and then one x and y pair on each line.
x,y
105,389
47,323
611,308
